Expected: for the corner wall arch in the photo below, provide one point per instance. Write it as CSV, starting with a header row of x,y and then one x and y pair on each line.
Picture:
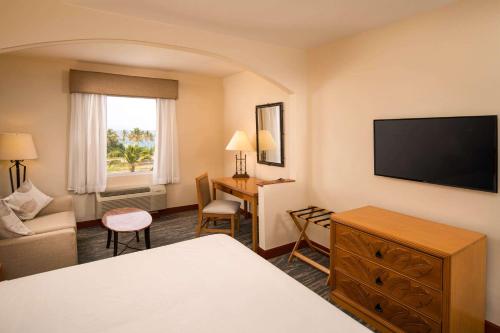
x,y
34,23
144,43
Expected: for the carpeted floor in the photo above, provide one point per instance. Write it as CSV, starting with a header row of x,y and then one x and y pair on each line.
x,y
173,228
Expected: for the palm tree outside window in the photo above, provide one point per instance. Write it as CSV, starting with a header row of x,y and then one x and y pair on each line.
x,y
131,129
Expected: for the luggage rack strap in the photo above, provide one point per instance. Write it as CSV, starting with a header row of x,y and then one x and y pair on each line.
x,y
314,210
315,216
301,210
325,225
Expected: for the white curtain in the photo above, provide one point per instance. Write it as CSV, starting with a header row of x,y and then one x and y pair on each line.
x,y
87,144
166,156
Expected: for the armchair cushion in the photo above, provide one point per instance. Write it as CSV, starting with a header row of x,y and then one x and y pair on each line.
x,y
52,222
222,207
58,205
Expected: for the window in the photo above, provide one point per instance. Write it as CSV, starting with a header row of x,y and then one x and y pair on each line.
x,y
131,130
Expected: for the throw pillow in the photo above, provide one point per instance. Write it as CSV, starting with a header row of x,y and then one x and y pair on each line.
x,y
27,201
10,225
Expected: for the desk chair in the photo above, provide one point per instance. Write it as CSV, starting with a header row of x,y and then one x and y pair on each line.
x,y
212,210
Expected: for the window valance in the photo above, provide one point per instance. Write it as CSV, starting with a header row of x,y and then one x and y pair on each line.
x,y
121,85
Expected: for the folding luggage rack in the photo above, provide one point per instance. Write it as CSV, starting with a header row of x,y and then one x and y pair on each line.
x,y
302,219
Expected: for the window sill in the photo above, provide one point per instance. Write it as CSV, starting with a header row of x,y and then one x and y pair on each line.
x,y
129,174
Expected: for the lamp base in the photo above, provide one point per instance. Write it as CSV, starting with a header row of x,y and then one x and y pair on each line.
x,y
241,171
241,175
17,164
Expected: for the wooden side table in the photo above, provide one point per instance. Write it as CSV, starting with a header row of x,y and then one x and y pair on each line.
x,y
1,272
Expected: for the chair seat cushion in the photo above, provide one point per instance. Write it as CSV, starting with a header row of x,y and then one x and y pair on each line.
x,y
222,207
52,222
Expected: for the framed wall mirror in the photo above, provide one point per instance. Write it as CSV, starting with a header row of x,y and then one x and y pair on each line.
x,y
270,138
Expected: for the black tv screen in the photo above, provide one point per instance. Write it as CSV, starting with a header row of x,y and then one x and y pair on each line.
x,y
453,151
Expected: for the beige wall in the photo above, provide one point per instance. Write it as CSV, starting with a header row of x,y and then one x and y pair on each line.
x,y
445,63
34,98
56,21
242,92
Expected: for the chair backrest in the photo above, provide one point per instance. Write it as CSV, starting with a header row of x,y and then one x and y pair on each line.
x,y
203,191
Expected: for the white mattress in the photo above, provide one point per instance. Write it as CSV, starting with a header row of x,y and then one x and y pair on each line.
x,y
209,284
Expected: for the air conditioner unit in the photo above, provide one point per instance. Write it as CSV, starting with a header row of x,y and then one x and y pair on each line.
x,y
149,198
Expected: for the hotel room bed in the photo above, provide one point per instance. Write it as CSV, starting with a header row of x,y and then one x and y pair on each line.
x,y
209,284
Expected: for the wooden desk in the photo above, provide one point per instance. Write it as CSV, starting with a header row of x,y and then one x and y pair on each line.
x,y
245,189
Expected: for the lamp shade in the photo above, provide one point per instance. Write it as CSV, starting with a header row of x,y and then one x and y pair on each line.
x,y
17,146
239,141
266,140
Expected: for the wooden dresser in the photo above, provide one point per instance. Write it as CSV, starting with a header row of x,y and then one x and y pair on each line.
x,y
404,274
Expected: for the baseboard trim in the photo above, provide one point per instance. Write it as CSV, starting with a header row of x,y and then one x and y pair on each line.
x,y
284,249
275,251
88,224
167,211
489,327
324,248
178,209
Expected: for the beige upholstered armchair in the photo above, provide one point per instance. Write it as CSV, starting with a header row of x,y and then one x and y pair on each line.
x,y
52,246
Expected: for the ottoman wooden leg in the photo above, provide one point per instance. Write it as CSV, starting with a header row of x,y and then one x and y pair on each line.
x,y
146,236
109,239
115,240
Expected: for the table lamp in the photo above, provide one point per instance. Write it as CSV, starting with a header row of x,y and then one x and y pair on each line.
x,y
239,142
17,147
265,142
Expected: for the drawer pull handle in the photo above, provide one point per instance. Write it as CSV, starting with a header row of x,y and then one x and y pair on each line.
x,y
378,308
379,281
378,254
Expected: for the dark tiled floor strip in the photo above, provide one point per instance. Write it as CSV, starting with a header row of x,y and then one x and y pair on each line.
x,y
178,227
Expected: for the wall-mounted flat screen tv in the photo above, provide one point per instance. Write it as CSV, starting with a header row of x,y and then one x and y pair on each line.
x,y
453,151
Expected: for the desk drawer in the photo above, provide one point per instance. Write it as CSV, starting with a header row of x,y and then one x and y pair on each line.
x,y
417,265
224,189
423,299
383,307
234,192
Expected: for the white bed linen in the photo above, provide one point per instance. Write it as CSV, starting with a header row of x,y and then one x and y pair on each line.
x,y
209,284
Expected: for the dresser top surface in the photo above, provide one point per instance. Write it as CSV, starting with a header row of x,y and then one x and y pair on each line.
x,y
436,238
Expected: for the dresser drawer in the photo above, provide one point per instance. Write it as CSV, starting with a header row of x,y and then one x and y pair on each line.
x,y
423,299
417,265
406,319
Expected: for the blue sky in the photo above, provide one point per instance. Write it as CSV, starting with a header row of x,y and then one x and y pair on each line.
x,y
130,112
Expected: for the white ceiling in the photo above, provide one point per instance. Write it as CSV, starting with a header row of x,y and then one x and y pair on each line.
x,y
137,56
296,23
